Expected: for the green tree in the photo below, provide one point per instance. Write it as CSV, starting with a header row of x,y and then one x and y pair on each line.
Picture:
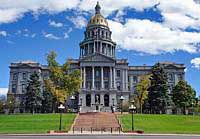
x,y
141,90
1,107
47,101
183,95
33,96
158,90
63,81
10,103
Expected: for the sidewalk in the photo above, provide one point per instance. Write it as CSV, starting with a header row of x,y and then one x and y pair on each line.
x,y
99,134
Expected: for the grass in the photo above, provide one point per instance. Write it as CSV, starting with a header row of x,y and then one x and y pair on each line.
x,y
178,124
38,123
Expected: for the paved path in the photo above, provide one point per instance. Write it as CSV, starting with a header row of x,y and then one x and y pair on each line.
x,y
103,137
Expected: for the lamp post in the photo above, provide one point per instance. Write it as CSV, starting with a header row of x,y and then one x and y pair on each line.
x,y
72,98
61,107
121,100
113,101
192,108
132,108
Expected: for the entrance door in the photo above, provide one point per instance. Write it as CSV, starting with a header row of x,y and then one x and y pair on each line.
x,y
106,100
88,100
97,107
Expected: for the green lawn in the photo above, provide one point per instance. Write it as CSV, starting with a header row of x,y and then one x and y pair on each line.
x,y
162,123
38,123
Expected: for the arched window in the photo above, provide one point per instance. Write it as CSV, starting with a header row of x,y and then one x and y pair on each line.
x,y
106,100
88,100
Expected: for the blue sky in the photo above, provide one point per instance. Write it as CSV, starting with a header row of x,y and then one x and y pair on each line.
x,y
146,31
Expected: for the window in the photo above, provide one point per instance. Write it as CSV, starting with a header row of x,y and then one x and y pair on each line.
x,y
23,88
170,77
88,100
98,85
15,76
135,79
14,88
180,77
106,84
106,100
118,73
118,85
24,76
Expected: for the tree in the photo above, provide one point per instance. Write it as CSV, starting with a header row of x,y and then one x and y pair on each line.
x,y
63,81
47,101
10,103
183,95
33,96
158,90
141,91
1,107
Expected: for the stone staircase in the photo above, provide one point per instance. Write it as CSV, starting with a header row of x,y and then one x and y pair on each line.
x,y
96,121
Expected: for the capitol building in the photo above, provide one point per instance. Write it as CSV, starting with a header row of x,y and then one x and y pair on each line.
x,y
105,78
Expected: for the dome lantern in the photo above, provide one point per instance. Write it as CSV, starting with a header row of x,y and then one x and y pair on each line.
x,y
97,8
97,19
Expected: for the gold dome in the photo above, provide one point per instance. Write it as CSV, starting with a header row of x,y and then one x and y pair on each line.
x,y
97,19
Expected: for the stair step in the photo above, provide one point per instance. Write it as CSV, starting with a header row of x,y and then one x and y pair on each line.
x,y
98,121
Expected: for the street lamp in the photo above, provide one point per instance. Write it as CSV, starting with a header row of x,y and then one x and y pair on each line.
x,y
192,108
61,107
113,101
72,98
132,108
121,100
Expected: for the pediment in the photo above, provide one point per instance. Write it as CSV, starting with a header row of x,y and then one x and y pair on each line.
x,y
26,65
98,58
170,67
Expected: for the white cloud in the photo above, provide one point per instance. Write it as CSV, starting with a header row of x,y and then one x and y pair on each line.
x,y
180,13
3,91
139,35
66,34
3,33
11,11
152,37
78,21
196,62
51,36
108,6
55,24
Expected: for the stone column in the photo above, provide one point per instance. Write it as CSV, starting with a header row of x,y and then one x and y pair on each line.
x,y
123,80
92,77
102,99
88,48
114,76
114,52
110,77
94,47
131,83
81,78
111,50
84,78
126,74
102,81
101,47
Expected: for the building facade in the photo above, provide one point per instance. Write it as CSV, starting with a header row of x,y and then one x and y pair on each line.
x,y
104,77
